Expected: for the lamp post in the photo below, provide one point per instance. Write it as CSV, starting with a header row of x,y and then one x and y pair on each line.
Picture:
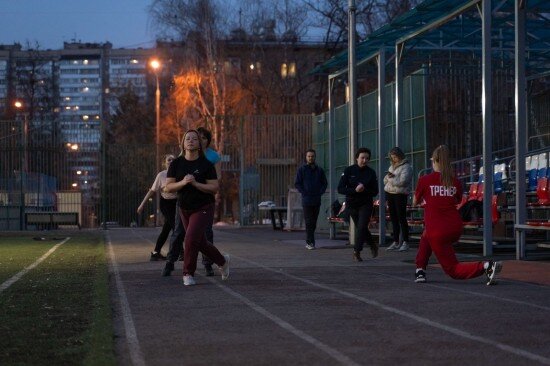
x,y
23,168
155,65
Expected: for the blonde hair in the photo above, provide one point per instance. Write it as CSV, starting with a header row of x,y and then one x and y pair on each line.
x,y
441,156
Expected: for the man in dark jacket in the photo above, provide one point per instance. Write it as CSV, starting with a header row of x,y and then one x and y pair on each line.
x,y
359,184
311,182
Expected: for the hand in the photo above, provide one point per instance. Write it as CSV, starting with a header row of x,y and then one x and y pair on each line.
x,y
139,209
360,188
188,179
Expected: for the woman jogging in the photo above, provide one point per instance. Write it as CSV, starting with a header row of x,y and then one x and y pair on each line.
x,y
443,226
167,207
194,178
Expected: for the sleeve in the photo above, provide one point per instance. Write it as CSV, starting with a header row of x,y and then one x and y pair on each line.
x,y
343,185
404,178
156,184
216,158
419,193
299,181
210,172
373,185
171,173
324,183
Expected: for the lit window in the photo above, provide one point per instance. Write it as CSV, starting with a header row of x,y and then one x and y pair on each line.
x,y
85,62
85,117
74,185
292,69
284,71
134,61
79,172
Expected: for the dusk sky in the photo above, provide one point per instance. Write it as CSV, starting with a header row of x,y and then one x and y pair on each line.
x,y
124,23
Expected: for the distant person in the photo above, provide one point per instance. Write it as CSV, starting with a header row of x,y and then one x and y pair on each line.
x,y
311,182
443,226
194,178
178,234
167,207
360,185
398,185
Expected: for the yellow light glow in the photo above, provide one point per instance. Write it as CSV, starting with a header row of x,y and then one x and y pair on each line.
x,y
74,147
18,104
155,64
85,117
74,185
79,172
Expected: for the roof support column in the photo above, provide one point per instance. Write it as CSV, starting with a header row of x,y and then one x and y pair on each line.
x,y
381,145
352,81
487,115
521,122
331,167
399,135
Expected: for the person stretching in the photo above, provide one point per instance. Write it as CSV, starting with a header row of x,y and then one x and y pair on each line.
x,y
443,226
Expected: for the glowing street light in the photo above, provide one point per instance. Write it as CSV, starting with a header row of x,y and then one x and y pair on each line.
x,y
24,131
156,65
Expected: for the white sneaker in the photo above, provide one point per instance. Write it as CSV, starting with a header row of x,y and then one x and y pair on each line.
x,y
224,270
188,280
404,247
310,247
492,271
393,246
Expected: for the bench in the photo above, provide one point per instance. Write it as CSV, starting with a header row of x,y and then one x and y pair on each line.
x,y
50,220
280,211
521,229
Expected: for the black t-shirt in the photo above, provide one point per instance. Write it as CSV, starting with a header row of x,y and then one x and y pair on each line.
x,y
189,197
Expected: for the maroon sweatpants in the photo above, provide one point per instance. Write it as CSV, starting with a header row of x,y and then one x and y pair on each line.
x,y
195,223
441,244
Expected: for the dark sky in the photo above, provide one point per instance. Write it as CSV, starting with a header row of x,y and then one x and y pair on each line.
x,y
124,23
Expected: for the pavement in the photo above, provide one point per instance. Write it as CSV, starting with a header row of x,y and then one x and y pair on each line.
x,y
285,305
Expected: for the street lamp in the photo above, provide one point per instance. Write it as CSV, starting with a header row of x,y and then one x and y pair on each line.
x,y
155,65
23,151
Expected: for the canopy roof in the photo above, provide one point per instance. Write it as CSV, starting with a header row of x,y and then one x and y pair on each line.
x,y
456,25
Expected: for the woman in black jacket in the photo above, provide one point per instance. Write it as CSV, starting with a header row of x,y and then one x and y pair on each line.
x,y
359,184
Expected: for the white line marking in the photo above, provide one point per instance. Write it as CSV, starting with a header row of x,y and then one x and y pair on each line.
x,y
519,302
16,277
340,357
422,320
131,336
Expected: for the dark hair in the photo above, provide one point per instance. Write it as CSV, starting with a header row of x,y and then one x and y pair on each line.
x,y
201,152
362,150
311,151
203,131
397,152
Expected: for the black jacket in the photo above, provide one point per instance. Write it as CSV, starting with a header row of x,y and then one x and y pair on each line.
x,y
311,182
350,179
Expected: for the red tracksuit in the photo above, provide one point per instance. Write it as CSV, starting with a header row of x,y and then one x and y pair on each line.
x,y
442,227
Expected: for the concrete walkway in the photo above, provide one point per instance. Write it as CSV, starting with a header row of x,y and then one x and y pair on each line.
x,y
285,305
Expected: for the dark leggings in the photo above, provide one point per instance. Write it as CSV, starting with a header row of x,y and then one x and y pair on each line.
x,y
397,203
168,209
195,223
361,217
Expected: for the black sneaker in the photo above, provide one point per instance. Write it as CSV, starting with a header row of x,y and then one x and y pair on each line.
x,y
157,257
209,271
168,268
420,276
492,271
357,256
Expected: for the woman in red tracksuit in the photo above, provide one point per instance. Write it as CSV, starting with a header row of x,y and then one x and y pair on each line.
x,y
441,192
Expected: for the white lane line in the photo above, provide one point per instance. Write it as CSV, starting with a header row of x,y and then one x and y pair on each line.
x,y
498,298
473,293
422,320
131,335
10,281
340,357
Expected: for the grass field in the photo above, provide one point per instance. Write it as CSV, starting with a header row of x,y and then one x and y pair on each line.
x,y
58,313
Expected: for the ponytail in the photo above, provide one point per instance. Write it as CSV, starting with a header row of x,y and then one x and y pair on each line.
x,y
441,156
